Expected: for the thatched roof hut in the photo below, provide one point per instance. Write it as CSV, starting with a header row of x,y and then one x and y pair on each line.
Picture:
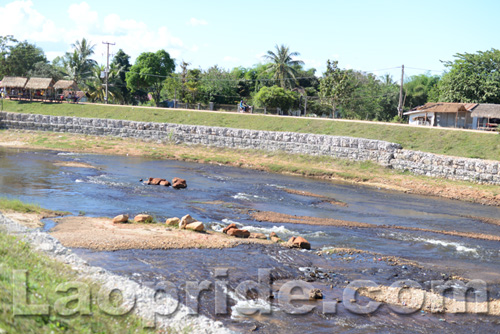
x,y
13,82
66,85
485,110
40,83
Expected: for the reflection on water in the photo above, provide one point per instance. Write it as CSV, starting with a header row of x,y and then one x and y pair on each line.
x,y
113,188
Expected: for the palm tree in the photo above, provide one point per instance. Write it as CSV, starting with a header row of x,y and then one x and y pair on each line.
x,y
95,87
281,64
78,64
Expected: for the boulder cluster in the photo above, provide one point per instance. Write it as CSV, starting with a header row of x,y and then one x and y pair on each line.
x,y
186,223
177,183
294,242
189,223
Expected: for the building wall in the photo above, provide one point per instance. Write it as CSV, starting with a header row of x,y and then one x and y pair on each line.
x,y
414,121
358,149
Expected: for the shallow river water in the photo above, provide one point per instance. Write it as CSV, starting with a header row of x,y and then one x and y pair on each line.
x,y
113,188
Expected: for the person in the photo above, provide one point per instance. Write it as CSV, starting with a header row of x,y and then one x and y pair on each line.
x,y
70,97
243,106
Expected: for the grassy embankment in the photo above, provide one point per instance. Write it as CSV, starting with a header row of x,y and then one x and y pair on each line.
x,y
44,275
433,140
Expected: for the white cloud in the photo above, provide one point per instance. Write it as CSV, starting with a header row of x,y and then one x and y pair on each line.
x,y
20,19
195,22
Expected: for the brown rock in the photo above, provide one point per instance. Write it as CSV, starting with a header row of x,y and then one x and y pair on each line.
x,y
229,227
173,221
178,183
234,232
120,219
299,242
276,239
196,226
165,183
258,236
143,218
187,219
315,294
273,234
154,181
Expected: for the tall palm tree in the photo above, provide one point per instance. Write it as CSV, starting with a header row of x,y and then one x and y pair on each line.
x,y
281,64
78,64
95,87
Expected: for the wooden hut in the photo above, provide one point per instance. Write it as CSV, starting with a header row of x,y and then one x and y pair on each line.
x,y
64,87
14,86
486,116
41,88
443,114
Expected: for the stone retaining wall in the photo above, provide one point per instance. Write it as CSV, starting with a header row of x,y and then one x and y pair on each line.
x,y
384,153
455,168
301,143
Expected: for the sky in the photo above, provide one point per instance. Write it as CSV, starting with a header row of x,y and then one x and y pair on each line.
x,y
375,36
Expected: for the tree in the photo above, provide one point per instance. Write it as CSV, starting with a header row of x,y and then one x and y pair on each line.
x,y
43,69
149,72
22,58
78,64
336,85
275,97
421,89
281,64
121,65
96,88
219,86
472,77
5,47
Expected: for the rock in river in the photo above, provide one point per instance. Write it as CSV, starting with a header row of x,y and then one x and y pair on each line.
x,y
299,242
187,219
234,232
258,236
120,219
165,183
143,218
229,227
178,183
196,226
315,294
173,221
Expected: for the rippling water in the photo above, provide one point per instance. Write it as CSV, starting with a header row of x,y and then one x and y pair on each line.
x,y
114,188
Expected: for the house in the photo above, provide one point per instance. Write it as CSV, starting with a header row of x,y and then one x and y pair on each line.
x,y
40,88
66,85
14,86
486,116
443,114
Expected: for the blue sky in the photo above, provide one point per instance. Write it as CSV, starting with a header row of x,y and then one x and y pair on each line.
x,y
360,34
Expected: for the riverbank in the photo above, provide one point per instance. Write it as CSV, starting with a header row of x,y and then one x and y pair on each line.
x,y
325,168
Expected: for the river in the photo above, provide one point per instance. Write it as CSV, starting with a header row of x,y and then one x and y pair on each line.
x,y
216,194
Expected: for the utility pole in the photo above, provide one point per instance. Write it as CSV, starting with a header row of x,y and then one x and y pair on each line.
x,y
400,105
107,68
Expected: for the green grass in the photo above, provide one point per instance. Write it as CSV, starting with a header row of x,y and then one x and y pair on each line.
x,y
44,275
434,140
19,206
